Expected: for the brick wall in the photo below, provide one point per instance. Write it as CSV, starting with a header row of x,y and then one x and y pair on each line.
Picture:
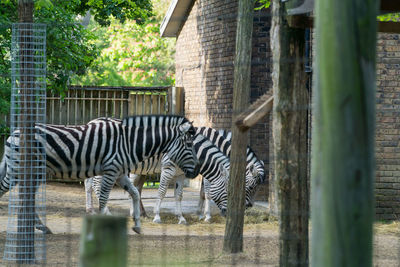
x,y
387,188
204,59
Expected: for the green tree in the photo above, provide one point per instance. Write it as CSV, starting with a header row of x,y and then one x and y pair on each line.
x,y
70,48
131,55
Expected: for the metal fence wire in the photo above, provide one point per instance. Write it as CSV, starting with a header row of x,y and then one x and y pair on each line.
x,y
27,161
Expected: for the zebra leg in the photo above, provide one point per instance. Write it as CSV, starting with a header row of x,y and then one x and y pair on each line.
x,y
96,186
200,206
138,182
178,198
126,184
107,183
88,191
207,208
40,225
162,190
168,171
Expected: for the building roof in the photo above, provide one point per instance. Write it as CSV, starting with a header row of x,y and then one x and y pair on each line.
x,y
178,12
175,18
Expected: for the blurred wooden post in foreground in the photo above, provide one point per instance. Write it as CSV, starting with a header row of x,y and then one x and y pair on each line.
x,y
343,134
103,242
233,239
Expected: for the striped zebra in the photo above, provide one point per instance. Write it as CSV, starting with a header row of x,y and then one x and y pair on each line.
x,y
111,149
214,166
255,175
255,170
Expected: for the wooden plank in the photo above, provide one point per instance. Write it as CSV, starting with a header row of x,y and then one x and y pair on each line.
x,y
91,106
147,104
154,103
125,105
255,112
163,105
343,164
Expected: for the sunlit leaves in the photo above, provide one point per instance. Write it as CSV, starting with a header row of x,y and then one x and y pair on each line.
x,y
132,55
395,17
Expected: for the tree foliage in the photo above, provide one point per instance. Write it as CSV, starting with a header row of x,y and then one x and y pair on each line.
x,y
132,55
71,48
395,17
260,4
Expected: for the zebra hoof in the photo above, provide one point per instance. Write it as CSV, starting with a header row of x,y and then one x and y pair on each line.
x,y
136,229
157,220
45,230
90,211
182,221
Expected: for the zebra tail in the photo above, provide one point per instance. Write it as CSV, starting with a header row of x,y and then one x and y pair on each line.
x,y
3,167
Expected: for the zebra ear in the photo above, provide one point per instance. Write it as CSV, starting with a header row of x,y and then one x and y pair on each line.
x,y
185,127
253,170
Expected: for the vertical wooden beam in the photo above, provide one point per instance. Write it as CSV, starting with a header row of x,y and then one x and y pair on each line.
x,y
343,133
233,240
103,242
290,137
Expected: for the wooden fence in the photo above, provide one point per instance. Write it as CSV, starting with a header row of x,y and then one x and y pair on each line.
x,y
80,104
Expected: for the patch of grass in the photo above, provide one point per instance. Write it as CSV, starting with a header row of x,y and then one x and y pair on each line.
x,y
151,185
392,227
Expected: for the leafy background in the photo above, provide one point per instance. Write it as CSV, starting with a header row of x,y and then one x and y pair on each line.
x,y
118,44
132,54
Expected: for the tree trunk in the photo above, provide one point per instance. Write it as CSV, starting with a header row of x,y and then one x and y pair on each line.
x,y
290,137
343,134
233,239
26,213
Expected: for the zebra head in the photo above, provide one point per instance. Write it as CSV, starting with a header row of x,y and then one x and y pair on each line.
x,y
182,153
255,175
219,188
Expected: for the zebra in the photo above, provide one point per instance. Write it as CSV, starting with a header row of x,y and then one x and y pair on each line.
x,y
214,166
110,149
255,175
255,170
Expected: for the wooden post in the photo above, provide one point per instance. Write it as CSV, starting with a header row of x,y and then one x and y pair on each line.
x,y
26,189
343,133
290,137
233,239
103,242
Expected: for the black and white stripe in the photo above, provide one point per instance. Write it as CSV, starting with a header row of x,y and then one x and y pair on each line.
x,y
214,190
255,171
214,166
112,148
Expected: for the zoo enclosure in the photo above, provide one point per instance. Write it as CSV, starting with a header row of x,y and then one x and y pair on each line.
x,y
80,104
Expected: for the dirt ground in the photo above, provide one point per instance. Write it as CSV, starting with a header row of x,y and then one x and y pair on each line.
x,y
170,244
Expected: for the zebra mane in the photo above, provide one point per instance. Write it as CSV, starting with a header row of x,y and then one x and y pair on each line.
x,y
138,121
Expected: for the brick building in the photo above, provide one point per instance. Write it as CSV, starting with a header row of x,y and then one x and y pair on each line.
x,y
205,45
